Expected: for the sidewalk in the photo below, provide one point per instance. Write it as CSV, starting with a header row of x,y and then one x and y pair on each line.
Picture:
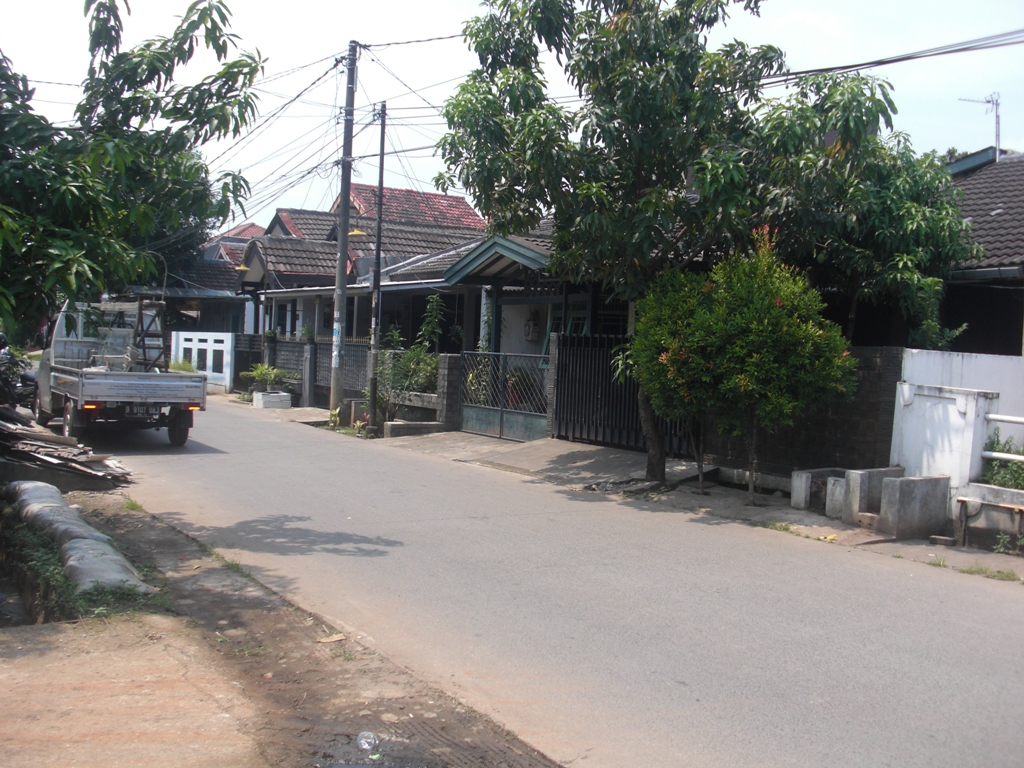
x,y
618,472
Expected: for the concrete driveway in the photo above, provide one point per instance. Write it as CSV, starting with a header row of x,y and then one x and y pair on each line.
x,y
605,632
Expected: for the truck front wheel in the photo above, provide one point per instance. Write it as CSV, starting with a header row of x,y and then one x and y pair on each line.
x,y
177,429
70,428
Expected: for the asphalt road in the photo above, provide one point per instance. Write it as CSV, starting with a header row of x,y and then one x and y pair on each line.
x,y
606,633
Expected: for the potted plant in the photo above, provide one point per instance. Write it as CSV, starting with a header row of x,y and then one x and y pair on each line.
x,y
263,377
306,332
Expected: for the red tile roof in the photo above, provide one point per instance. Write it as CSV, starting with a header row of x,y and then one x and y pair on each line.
x,y
408,205
234,252
247,231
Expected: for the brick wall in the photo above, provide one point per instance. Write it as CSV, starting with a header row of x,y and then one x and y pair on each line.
x,y
854,434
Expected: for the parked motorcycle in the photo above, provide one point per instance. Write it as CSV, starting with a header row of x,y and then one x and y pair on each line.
x,y
17,382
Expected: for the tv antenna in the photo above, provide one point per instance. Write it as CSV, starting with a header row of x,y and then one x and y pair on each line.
x,y
993,106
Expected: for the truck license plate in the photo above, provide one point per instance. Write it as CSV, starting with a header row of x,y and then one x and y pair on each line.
x,y
135,409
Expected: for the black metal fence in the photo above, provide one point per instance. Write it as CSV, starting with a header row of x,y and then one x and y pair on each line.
x,y
357,356
248,352
508,381
591,407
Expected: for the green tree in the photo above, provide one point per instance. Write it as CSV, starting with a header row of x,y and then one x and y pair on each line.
x,y
777,356
669,353
861,213
88,206
646,173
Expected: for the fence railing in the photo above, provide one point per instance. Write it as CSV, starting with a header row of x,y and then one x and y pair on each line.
x,y
1004,420
505,381
357,356
592,407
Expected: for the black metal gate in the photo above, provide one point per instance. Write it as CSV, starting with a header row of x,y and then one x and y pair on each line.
x,y
504,395
591,407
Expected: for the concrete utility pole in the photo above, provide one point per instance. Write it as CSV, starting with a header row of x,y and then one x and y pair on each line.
x,y
344,203
375,306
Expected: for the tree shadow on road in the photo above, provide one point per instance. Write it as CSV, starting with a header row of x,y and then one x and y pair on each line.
x,y
281,535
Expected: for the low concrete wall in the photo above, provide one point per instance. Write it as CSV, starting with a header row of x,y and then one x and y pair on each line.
x,y
409,428
862,492
809,487
980,520
914,507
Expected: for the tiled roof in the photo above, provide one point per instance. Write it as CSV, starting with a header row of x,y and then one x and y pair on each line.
x,y
295,256
408,205
432,266
311,225
401,241
234,251
539,238
245,231
214,275
994,204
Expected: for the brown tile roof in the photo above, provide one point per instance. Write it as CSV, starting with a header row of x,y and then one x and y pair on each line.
x,y
295,256
408,205
310,225
245,231
539,238
214,275
402,241
994,203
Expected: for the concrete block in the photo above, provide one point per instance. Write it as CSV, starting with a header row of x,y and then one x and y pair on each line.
x,y
408,428
809,487
272,399
988,508
762,482
863,493
914,507
835,495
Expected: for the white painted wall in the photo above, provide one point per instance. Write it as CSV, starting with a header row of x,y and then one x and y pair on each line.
x,y
514,318
989,373
211,342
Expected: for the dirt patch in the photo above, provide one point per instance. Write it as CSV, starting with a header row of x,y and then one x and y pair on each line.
x,y
294,701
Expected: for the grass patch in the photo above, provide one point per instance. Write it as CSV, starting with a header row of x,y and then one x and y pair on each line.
x,y
249,649
245,397
32,558
898,556
133,505
774,526
938,562
981,570
235,566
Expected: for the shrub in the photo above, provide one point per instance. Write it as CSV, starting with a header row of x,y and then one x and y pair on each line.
x,y
1006,474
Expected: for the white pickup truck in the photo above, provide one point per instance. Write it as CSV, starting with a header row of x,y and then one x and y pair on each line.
x,y
104,365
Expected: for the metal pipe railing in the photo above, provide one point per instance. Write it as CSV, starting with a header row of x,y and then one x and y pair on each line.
x,y
1004,419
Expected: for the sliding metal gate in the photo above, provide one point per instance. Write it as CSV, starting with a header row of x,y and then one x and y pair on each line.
x,y
504,395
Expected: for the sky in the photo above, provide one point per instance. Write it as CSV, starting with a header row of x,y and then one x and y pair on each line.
x,y
288,160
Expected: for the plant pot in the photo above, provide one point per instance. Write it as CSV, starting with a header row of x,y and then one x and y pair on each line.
x,y
259,386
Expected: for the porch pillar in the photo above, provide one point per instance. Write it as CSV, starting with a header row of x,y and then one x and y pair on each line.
x,y
468,343
496,324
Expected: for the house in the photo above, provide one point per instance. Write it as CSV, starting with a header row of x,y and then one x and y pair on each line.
x,y
525,304
229,246
292,268
201,298
988,294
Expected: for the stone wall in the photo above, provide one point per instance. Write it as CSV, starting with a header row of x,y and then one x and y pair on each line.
x,y
853,434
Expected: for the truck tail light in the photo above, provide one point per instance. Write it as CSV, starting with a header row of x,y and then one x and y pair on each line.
x,y
193,407
93,405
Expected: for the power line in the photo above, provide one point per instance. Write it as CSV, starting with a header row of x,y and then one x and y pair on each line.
x,y
412,42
